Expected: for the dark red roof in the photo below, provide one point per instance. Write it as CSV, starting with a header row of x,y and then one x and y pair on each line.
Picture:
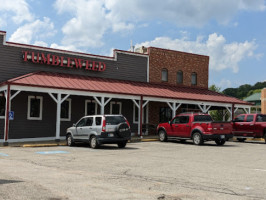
x,y
93,84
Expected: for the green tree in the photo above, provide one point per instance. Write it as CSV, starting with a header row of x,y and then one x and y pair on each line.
x,y
217,115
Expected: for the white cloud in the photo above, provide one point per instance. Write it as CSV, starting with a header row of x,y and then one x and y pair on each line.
x,y
68,48
17,10
222,55
90,20
40,43
34,31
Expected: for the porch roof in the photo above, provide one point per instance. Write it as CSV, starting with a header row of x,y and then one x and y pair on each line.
x,y
104,85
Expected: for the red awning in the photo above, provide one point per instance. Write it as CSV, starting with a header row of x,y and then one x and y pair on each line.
x,y
103,85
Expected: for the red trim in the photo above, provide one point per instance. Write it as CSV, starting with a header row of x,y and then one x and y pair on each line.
x,y
3,32
7,113
131,52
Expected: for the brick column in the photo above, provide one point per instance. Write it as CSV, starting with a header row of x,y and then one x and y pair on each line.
x,y
263,101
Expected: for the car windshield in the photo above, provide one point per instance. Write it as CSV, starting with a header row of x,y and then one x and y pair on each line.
x,y
202,118
114,120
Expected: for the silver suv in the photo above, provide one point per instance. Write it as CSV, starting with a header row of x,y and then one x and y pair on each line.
x,y
100,129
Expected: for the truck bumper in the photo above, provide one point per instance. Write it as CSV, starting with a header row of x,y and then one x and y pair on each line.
x,y
217,136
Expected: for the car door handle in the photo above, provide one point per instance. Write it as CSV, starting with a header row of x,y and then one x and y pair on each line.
x,y
251,124
90,128
241,124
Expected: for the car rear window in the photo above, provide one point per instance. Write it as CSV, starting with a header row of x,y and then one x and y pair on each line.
x,y
261,118
202,118
114,120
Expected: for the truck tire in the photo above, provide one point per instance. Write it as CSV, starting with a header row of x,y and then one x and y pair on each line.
x,y
197,138
69,140
241,139
94,143
122,144
219,142
162,136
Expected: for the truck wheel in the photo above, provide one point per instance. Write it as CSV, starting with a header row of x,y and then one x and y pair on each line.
x,y
162,136
219,142
69,140
94,143
241,139
121,144
197,138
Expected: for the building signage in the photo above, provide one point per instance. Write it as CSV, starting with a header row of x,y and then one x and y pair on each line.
x,y
61,61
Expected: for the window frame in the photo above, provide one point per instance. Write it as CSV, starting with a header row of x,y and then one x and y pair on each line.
x,y
3,116
164,70
86,106
69,111
177,75
196,78
29,106
114,103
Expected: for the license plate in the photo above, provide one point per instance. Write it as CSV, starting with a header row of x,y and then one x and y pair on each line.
x,y
222,136
110,135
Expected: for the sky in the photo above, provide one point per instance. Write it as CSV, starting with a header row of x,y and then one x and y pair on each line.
x,y
231,32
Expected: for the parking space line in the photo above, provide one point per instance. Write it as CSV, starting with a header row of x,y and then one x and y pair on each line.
x,y
51,152
262,170
3,154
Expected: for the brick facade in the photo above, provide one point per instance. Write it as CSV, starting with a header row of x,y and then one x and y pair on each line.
x,y
174,61
263,101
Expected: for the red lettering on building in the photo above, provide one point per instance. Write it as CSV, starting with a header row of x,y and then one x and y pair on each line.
x,y
55,60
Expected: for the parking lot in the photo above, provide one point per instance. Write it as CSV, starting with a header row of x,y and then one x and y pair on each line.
x,y
143,170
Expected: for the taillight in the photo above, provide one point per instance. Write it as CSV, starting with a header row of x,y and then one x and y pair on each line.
x,y
127,122
104,125
209,126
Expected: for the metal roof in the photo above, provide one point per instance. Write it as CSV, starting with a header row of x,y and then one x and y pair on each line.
x,y
103,85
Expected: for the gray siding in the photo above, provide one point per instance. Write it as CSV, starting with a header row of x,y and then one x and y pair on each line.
x,y
127,67
21,127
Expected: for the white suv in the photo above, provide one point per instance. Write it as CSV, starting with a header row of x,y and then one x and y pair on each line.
x,y
100,129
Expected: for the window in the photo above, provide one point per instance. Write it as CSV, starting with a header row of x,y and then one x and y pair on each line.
x,y
35,107
179,77
250,118
66,110
261,118
115,108
89,121
114,120
165,114
202,118
98,121
240,118
82,122
181,120
136,114
90,107
164,75
2,106
194,78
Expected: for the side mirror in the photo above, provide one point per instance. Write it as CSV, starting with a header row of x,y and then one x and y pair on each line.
x,y
74,125
169,122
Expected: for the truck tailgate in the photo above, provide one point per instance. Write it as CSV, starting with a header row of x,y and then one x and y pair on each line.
x,y
221,127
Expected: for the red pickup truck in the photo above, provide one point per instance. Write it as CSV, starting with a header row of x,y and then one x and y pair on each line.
x,y
249,126
196,126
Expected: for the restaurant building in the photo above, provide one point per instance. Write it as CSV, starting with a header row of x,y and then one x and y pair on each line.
x,y
43,91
